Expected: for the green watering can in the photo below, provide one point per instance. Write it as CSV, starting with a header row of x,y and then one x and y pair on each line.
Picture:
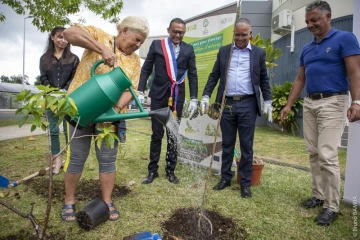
x,y
97,96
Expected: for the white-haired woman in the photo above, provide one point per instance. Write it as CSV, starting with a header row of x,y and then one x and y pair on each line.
x,y
116,51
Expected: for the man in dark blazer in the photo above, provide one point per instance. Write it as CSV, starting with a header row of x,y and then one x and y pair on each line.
x,y
168,89
246,76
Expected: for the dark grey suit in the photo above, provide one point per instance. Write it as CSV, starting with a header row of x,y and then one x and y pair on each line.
x,y
239,116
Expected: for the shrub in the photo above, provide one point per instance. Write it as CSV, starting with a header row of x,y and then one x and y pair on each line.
x,y
280,95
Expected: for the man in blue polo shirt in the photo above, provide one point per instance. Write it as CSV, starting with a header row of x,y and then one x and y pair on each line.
x,y
327,65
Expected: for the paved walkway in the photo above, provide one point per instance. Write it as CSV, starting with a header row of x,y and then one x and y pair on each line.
x,y
11,132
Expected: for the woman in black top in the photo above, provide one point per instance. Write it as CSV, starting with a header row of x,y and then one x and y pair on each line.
x,y
57,69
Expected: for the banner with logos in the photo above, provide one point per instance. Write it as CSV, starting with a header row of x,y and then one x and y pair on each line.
x,y
206,35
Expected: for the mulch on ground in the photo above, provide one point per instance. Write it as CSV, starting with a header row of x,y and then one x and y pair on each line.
x,y
86,190
25,234
201,224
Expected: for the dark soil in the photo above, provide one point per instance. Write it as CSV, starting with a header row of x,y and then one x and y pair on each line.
x,y
184,225
86,190
22,234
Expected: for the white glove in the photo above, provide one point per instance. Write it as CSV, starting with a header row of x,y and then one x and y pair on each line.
x,y
268,109
204,104
192,108
141,97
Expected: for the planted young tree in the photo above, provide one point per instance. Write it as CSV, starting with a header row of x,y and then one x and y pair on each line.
x,y
36,104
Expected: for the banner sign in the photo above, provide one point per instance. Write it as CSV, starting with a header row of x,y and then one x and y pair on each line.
x,y
206,35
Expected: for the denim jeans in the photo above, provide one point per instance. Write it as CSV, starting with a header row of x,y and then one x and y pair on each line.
x,y
54,132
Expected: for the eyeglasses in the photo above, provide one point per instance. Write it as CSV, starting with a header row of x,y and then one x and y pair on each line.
x,y
175,32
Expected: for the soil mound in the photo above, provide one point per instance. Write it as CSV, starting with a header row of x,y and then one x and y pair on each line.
x,y
24,234
184,224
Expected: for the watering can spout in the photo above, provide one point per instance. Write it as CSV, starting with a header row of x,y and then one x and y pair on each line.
x,y
162,115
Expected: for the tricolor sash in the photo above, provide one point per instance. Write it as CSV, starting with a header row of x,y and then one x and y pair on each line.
x,y
171,68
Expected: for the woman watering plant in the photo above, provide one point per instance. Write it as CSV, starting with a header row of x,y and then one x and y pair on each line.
x,y
57,69
115,51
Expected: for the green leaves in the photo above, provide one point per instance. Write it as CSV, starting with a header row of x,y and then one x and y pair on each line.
x,y
279,97
49,13
271,53
107,135
38,105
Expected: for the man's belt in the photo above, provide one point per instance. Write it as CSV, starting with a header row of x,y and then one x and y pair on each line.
x,y
317,96
239,98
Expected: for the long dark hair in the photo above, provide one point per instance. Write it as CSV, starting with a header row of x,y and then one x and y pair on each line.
x,y
50,47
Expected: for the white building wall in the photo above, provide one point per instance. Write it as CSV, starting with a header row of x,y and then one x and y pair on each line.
x,y
339,9
144,49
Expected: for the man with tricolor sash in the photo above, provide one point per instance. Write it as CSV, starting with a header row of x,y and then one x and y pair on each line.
x,y
172,60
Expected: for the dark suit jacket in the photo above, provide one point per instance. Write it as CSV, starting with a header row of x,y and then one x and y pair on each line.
x,y
161,82
258,75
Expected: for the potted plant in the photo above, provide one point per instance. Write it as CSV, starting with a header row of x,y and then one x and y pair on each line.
x,y
257,167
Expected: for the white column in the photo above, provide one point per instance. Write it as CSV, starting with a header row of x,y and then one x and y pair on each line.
x,y
352,176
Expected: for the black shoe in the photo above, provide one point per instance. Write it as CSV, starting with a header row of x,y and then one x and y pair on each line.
x,y
326,217
245,192
312,203
172,178
221,185
150,178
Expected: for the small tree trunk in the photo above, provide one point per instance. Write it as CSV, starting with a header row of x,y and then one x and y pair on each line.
x,y
49,202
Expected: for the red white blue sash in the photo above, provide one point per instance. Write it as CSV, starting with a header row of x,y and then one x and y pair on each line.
x,y
171,68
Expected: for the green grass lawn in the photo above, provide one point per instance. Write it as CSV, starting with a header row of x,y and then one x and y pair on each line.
x,y
268,143
272,213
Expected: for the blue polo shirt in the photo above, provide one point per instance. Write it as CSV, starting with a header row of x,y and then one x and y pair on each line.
x,y
325,69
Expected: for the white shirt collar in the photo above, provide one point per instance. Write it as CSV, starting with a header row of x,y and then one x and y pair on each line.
x,y
248,46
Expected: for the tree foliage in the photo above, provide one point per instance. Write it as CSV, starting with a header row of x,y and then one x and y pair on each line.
x,y
37,81
49,13
271,53
15,79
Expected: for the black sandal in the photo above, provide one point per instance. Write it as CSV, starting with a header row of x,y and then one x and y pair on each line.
x,y
114,211
65,215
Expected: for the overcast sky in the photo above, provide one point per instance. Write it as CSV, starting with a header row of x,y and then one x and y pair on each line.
x,y
157,12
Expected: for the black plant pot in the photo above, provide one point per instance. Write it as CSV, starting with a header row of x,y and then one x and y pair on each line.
x,y
93,214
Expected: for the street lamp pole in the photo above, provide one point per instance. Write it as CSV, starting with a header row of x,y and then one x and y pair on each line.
x,y
23,79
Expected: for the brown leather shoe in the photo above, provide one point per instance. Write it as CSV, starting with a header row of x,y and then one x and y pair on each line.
x,y
150,178
312,203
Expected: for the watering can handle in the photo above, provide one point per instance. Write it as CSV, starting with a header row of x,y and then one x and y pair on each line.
x,y
95,66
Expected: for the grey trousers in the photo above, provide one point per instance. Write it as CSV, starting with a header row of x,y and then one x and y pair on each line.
x,y
78,152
